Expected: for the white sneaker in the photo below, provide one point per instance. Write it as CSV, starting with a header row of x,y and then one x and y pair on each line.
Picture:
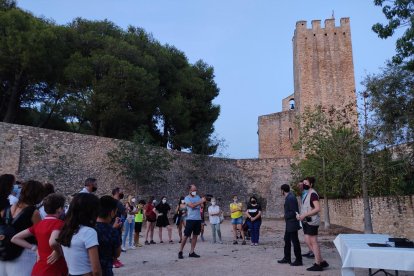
x,y
123,249
132,247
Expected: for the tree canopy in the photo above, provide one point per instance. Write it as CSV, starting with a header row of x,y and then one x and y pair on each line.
x,y
94,77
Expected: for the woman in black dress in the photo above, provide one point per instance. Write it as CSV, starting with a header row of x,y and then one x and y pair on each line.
x,y
163,208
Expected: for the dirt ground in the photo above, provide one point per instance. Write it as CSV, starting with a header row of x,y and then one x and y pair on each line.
x,y
229,259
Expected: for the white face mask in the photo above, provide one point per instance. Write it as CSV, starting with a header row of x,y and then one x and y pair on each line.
x,y
182,201
193,193
213,203
164,200
133,200
154,202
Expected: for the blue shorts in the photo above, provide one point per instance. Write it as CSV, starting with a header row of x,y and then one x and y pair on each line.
x,y
237,220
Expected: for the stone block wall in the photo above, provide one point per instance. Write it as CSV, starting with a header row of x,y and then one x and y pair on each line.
x,y
67,159
390,215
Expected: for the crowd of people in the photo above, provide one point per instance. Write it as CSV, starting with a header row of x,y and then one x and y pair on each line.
x,y
42,235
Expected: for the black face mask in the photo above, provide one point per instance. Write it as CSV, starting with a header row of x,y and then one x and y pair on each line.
x,y
94,189
121,195
306,187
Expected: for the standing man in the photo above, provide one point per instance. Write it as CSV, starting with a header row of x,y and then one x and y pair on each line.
x,y
120,215
237,219
304,192
90,186
193,221
292,227
309,215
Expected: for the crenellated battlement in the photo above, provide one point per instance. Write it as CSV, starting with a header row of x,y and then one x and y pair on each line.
x,y
328,24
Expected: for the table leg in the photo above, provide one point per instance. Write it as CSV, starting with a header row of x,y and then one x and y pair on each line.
x,y
347,271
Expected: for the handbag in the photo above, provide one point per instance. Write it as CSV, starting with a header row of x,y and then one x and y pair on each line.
x,y
221,217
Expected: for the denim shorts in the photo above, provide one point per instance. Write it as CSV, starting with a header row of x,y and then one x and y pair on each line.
x,y
237,220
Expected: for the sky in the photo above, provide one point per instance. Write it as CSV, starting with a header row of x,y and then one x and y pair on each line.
x,y
249,44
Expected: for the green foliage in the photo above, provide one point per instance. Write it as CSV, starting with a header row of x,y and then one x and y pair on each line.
x,y
140,162
100,79
399,14
328,136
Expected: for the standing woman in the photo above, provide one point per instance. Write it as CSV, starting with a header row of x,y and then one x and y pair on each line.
x,y
24,215
151,217
129,223
309,215
214,217
78,237
163,208
181,212
254,219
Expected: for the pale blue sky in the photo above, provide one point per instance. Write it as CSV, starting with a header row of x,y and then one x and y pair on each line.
x,y
249,44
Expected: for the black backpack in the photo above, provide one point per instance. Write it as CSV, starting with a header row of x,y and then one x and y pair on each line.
x,y
8,250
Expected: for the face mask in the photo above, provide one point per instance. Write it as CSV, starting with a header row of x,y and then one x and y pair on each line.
x,y
121,195
193,193
164,200
133,200
154,202
235,199
182,201
253,201
213,203
94,189
306,187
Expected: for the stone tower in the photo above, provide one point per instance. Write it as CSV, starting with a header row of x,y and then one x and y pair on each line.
x,y
323,72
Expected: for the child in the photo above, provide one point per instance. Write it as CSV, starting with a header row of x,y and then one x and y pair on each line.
x,y
139,218
108,235
50,258
78,237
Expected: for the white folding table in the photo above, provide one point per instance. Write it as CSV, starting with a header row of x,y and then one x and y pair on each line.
x,y
355,252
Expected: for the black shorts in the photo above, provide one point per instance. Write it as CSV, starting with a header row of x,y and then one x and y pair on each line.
x,y
138,227
310,230
192,226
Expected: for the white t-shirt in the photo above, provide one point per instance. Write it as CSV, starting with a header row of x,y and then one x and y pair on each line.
x,y
76,255
216,218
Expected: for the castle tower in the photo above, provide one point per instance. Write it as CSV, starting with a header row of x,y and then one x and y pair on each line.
x,y
323,72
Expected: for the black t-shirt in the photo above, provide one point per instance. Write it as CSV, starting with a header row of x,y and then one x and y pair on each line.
x,y
109,241
254,210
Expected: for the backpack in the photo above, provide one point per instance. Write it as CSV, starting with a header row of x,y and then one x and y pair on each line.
x,y
8,250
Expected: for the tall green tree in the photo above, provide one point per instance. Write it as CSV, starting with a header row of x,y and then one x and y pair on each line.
x,y
400,15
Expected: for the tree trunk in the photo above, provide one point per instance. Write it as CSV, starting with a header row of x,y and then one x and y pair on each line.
x,y
367,209
327,222
14,102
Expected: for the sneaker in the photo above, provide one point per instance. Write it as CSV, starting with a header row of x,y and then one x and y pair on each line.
x,y
193,255
123,249
315,267
139,245
256,244
297,263
153,242
132,247
220,242
171,242
116,264
235,242
284,261
147,243
180,255
309,255
324,264
244,243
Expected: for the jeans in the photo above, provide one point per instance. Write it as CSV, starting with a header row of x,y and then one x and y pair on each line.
x,y
254,230
292,237
128,231
216,228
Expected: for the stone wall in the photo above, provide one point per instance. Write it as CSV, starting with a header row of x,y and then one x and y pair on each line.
x,y
390,215
67,159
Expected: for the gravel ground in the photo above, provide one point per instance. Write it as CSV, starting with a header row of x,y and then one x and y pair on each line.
x,y
229,259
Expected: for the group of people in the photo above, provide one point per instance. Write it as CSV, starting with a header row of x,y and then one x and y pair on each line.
x,y
43,236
